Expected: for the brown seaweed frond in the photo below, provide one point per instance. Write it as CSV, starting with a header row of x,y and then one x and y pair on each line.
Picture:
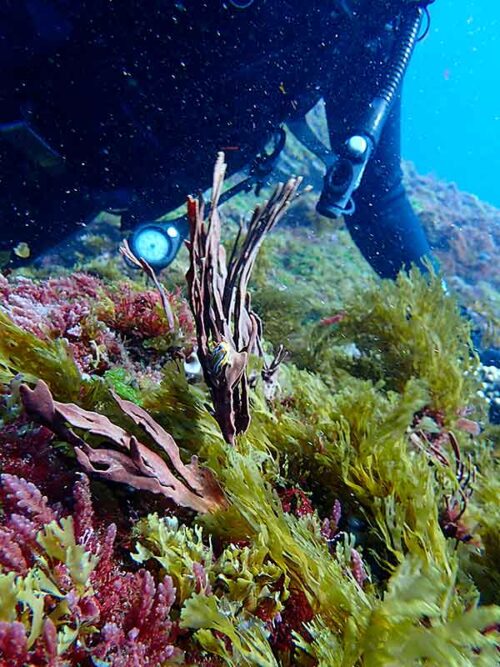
x,y
141,263
270,373
121,457
227,328
456,503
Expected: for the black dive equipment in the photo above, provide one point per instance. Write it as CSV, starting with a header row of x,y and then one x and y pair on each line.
x,y
347,161
159,241
241,4
20,135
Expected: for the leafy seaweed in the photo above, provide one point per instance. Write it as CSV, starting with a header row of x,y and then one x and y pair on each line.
x,y
23,352
410,328
375,414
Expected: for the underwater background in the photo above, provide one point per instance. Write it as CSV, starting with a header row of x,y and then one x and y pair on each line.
x,y
295,463
451,97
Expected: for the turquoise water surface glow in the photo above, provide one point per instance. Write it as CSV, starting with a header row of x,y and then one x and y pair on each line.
x,y
451,120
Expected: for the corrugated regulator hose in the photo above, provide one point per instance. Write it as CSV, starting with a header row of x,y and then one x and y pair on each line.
x,y
403,50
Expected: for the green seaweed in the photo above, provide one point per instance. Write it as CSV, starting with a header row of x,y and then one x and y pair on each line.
x,y
410,328
23,352
485,510
181,408
209,615
295,545
415,623
25,597
122,382
175,547
237,583
450,635
244,574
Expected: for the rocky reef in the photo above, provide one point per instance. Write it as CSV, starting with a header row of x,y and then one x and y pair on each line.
x,y
276,460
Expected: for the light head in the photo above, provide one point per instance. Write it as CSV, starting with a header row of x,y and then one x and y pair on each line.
x,y
158,242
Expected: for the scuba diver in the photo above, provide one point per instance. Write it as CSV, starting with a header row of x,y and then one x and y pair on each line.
x,y
122,106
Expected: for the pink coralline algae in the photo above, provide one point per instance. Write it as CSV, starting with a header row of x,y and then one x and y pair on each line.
x,y
27,451
294,501
136,314
120,617
101,324
25,512
52,308
292,619
330,525
64,308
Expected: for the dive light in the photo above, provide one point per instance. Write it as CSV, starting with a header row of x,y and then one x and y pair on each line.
x,y
159,242
349,162
241,4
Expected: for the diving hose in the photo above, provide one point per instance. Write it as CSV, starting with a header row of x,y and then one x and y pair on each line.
x,y
348,162
382,102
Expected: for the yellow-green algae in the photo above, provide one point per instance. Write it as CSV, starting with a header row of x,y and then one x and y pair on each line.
x,y
23,352
340,425
23,597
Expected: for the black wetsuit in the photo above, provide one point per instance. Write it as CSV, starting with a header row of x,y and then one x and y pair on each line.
x,y
138,97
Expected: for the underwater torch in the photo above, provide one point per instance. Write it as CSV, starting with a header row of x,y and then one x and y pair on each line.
x,y
159,242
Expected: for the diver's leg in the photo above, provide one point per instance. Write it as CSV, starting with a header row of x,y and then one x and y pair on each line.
x,y
384,226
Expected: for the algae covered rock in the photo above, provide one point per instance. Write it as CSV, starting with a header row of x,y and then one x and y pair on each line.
x,y
356,521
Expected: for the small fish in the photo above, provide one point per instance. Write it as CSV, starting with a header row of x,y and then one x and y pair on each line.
x,y
22,250
333,319
282,88
220,357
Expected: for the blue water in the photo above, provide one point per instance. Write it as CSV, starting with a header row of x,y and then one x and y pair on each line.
x,y
452,97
